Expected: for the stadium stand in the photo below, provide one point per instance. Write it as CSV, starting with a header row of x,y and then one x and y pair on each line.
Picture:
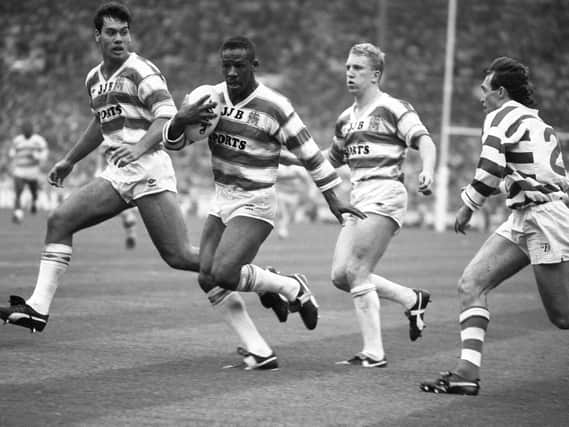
x,y
49,46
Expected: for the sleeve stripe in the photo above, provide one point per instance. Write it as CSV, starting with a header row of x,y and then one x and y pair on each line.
x,y
482,188
313,162
494,142
491,167
172,144
468,201
414,143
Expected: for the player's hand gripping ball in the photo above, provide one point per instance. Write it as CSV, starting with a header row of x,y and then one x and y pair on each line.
x,y
199,132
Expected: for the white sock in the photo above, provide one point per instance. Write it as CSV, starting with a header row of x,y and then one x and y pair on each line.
x,y
393,291
128,218
257,279
232,307
129,223
367,305
55,259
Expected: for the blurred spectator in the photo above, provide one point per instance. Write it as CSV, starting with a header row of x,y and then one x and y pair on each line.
x,y
301,46
27,155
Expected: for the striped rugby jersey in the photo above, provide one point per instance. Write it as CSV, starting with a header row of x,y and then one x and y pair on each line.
x,y
27,155
128,101
374,143
247,142
521,149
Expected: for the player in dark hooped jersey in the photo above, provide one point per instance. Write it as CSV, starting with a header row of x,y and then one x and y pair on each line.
x,y
256,122
522,157
130,103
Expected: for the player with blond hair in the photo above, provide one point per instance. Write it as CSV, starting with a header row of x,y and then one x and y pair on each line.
x,y
372,137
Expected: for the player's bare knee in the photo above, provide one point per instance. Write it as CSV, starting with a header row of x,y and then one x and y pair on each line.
x,y
562,323
57,222
354,274
184,259
206,282
561,320
175,260
339,279
180,258
469,290
341,285
226,276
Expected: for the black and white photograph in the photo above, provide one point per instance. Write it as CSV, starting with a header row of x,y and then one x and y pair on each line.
x,y
284,213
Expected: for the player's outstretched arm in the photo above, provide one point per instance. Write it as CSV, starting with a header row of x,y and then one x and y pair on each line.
x,y
428,153
339,207
89,141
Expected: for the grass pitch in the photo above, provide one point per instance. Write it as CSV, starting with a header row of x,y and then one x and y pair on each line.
x,y
131,342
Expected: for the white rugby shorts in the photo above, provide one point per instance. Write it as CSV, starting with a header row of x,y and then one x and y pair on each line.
x,y
231,202
387,197
150,174
541,232
32,173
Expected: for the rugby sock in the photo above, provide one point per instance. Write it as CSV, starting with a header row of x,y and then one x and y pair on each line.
x,y
367,306
128,218
130,230
234,312
55,259
393,291
473,326
129,223
257,279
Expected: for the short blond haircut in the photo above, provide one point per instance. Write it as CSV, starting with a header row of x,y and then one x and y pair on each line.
x,y
374,53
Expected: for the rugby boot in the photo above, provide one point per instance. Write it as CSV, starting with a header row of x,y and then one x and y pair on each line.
x,y
253,361
275,301
21,314
451,383
305,303
416,314
364,361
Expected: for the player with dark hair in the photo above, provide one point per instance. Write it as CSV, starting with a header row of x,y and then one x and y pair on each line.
x,y
27,154
131,103
256,122
522,157
372,137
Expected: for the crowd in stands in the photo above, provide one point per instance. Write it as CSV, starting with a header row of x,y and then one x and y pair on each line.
x,y
49,46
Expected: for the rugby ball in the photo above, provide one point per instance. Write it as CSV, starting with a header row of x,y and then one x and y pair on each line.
x,y
199,132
